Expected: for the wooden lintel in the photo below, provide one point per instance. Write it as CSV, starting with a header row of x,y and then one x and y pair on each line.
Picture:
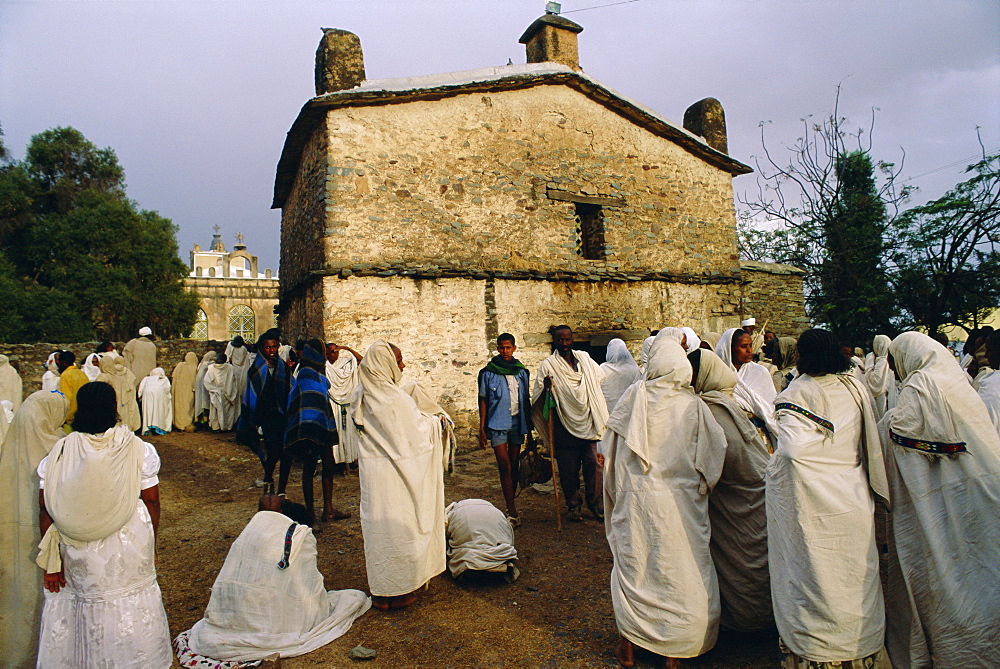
x,y
566,196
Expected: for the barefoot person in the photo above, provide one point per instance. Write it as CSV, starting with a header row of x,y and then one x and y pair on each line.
x,y
663,458
342,373
505,415
401,466
579,420
269,598
265,402
309,429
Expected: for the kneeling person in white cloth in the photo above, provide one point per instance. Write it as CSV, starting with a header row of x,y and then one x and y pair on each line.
x,y
269,597
480,538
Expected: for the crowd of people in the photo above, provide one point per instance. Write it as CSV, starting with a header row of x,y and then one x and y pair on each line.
x,y
742,479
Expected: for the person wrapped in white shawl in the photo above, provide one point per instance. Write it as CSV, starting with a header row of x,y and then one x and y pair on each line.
x,y
202,402
342,373
269,595
480,538
220,382
401,467
115,373
157,403
821,485
943,460
665,455
11,387
50,379
881,380
620,371
736,505
755,389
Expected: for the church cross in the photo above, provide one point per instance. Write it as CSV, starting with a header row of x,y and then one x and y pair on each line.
x,y
216,228
239,237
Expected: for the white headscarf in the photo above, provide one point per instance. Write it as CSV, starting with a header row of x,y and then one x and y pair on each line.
x,y
936,402
620,371
90,369
693,341
644,352
715,384
755,391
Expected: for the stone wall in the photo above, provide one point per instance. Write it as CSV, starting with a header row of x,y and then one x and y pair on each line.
x,y
772,293
29,359
489,182
218,296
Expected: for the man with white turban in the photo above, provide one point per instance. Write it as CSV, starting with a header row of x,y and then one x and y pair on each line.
x,y
401,467
140,354
663,458
573,380
943,461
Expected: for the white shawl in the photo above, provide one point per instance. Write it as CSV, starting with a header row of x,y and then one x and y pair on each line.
x,y
579,398
343,378
120,377
201,399
881,380
989,391
89,368
662,460
479,538
400,463
36,427
91,488
258,608
220,382
11,388
620,371
755,391
693,342
157,402
944,544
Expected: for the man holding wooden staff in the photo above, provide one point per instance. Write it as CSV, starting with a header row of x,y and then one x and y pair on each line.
x,y
578,422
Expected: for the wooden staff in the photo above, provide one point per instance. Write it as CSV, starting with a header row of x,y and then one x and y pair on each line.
x,y
550,434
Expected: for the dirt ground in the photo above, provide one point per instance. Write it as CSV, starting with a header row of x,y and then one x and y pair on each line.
x,y
558,614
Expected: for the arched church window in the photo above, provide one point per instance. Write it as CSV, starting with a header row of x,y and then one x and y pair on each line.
x,y
241,322
200,329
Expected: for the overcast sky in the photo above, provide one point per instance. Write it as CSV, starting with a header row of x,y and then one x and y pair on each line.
x,y
196,97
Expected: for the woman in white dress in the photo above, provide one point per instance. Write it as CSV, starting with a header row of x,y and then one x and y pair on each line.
x,y
820,500
943,460
754,388
100,509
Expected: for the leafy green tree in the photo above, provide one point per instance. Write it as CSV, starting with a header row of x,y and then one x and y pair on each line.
x,y
831,210
948,257
85,262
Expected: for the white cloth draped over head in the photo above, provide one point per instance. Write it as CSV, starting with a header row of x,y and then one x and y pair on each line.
x,y
823,558
258,608
182,390
201,399
480,538
736,504
755,390
693,341
620,371
343,378
879,378
989,392
11,388
120,377
664,456
92,366
400,463
788,351
36,427
644,353
91,488
50,379
578,394
220,382
157,403
944,543
240,358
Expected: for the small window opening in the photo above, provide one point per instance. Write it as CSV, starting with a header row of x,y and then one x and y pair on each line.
x,y
590,231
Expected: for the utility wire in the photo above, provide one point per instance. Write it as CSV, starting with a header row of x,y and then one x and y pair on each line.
x,y
955,163
611,4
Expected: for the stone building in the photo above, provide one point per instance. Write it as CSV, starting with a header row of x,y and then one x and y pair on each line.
x,y
439,211
236,297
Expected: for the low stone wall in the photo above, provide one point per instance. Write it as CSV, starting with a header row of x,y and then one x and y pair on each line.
x,y
29,359
772,293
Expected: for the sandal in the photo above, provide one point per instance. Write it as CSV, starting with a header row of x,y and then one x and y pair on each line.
x,y
514,521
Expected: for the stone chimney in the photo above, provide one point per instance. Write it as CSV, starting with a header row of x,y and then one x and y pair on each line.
x,y
707,119
340,64
552,38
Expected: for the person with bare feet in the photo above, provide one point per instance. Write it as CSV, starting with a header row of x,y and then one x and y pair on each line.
x,y
663,457
505,416
265,400
401,467
310,430
268,601
578,422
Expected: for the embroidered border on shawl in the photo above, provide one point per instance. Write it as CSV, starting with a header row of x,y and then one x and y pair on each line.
x,y
283,564
819,420
924,446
